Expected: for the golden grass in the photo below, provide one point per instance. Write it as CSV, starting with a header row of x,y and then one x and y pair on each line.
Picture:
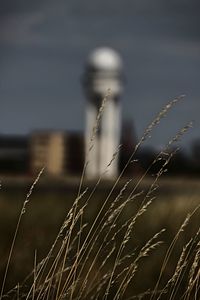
x,y
98,258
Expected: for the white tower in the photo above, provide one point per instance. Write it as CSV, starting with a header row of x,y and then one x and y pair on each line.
x,y
103,73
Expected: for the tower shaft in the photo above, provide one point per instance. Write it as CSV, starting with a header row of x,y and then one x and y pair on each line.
x,y
103,73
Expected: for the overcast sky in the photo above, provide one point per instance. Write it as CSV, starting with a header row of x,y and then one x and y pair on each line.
x,y
45,43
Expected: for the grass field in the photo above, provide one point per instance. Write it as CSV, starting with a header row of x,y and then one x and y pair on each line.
x,y
50,202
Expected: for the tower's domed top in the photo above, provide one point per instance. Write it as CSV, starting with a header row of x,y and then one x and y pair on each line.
x,y
105,59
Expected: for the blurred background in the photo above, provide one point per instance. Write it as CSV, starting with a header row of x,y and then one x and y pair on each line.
x,y
45,57
44,46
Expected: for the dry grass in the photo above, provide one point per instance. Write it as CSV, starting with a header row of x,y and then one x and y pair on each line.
x,y
99,258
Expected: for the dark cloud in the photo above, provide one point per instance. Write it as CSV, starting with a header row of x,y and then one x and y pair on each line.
x,y
44,44
18,6
105,6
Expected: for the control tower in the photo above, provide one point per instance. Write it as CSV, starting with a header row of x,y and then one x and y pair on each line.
x,y
103,72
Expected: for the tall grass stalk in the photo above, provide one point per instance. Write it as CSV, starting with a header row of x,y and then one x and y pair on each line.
x,y
23,210
94,260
